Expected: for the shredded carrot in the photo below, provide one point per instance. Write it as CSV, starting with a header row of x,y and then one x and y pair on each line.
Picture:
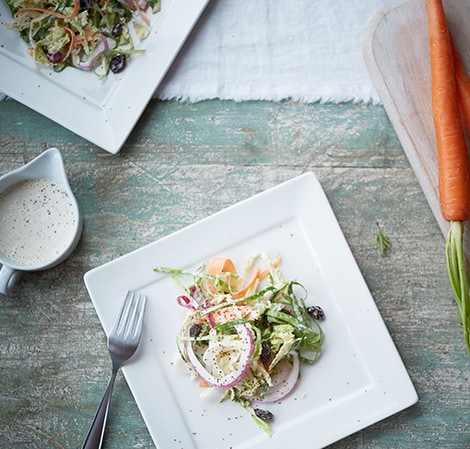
x,y
220,265
71,44
142,14
227,314
89,37
76,10
217,266
241,293
453,166
202,383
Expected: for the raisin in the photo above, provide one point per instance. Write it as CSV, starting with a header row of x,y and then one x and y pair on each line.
x,y
118,63
117,30
195,330
265,353
86,5
265,415
264,322
316,312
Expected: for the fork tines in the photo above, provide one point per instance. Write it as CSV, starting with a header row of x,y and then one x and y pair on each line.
x,y
130,318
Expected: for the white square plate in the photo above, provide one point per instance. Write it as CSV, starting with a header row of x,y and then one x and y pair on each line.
x,y
359,379
101,111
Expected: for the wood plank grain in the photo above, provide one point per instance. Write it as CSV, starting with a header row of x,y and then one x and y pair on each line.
x,y
182,163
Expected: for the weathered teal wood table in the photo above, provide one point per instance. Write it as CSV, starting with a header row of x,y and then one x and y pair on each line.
x,y
184,162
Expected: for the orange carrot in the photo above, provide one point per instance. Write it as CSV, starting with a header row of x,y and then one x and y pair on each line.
x,y
463,86
76,10
453,167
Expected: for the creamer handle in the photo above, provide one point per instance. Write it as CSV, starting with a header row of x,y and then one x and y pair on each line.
x,y
8,278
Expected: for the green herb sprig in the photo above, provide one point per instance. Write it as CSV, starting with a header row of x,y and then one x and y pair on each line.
x,y
381,242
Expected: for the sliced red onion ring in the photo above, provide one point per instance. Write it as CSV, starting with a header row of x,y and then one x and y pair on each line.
x,y
211,318
55,57
185,301
101,46
233,378
127,3
283,381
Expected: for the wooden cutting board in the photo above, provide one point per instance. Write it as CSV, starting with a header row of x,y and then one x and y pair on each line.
x,y
396,52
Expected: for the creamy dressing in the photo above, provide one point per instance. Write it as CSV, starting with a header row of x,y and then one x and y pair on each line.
x,y
37,222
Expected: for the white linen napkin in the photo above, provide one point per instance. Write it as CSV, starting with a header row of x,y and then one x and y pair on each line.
x,y
306,50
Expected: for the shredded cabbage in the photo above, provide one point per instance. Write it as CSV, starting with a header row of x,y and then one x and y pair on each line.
x,y
245,334
90,35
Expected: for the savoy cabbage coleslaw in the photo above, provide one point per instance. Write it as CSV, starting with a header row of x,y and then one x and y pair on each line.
x,y
91,35
246,335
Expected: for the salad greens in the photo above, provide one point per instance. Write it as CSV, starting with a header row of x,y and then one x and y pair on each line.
x,y
246,335
91,35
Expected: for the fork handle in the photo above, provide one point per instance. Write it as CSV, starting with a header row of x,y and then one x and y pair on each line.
x,y
95,435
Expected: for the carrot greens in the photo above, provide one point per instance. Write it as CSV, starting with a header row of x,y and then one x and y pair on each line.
x,y
457,275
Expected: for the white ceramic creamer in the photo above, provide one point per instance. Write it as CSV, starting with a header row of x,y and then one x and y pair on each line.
x,y
40,223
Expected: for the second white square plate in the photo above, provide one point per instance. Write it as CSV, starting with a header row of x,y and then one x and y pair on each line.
x,y
101,111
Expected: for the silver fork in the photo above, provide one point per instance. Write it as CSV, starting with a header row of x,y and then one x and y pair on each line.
x,y
123,341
